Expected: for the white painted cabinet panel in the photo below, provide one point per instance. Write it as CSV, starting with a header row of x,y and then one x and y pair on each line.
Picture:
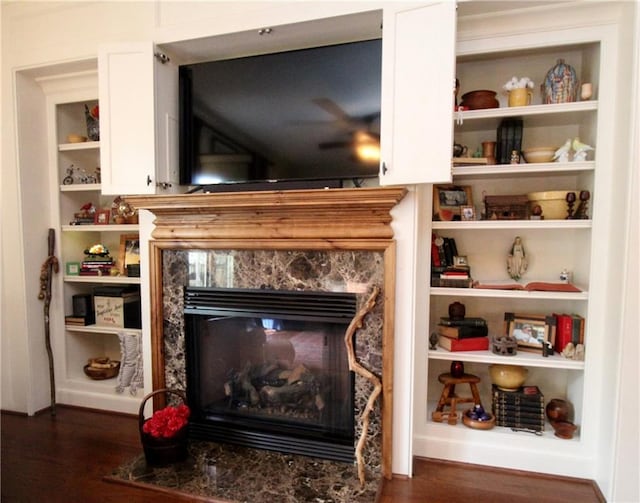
x,y
139,141
417,93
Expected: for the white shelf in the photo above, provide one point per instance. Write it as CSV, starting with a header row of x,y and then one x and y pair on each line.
x,y
522,170
508,294
498,434
101,228
98,329
81,187
102,279
535,115
512,224
522,358
86,145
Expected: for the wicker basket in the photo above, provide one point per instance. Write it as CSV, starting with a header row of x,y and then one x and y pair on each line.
x,y
163,451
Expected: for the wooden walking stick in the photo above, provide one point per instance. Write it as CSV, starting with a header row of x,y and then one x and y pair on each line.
x,y
50,266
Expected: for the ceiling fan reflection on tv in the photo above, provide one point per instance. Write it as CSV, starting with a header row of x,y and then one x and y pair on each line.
x,y
364,142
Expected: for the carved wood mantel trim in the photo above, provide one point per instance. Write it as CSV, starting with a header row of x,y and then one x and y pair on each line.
x,y
293,214
338,219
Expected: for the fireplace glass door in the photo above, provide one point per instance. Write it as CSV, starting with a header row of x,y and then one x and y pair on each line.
x,y
269,369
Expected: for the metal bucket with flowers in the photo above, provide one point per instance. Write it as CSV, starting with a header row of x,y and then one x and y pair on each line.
x,y
164,434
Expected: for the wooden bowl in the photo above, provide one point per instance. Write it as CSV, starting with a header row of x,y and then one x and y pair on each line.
x,y
478,425
76,138
476,100
99,374
539,154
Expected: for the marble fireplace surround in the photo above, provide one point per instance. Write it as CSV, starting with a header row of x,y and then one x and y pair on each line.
x,y
348,229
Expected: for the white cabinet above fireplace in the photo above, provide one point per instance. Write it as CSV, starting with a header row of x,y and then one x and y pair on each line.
x,y
139,120
139,93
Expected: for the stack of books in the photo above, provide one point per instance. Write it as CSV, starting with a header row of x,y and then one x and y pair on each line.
x,y
522,409
466,334
81,321
97,266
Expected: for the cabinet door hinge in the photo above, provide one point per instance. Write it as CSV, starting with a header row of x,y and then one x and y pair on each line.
x,y
163,58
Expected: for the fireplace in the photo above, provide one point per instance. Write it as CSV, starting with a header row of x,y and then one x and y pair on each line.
x,y
269,369
302,240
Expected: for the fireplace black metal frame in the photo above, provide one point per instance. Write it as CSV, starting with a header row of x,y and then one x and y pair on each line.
x,y
260,432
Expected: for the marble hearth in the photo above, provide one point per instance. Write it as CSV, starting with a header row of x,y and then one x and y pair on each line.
x,y
310,240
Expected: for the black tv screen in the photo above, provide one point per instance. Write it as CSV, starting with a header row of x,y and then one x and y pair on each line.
x,y
303,115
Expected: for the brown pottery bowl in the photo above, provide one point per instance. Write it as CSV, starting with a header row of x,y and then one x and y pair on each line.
x,y
477,100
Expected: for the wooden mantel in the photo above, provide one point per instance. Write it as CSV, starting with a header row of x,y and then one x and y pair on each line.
x,y
330,214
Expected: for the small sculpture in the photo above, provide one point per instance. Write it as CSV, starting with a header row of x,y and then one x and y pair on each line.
x,y
562,154
517,260
580,150
581,211
433,340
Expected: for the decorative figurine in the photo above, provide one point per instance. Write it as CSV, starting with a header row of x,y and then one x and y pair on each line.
x,y
581,212
571,199
433,340
580,150
562,154
517,260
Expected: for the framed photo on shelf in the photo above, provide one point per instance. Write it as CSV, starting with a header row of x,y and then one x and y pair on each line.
x,y
468,212
72,268
129,251
449,200
102,217
531,332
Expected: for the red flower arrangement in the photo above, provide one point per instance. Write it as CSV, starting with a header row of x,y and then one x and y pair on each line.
x,y
165,423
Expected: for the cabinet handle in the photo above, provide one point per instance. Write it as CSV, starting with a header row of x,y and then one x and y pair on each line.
x,y
149,181
384,168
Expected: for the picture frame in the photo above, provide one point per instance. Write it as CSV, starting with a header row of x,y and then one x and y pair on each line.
x,y
531,332
468,212
102,217
72,268
460,261
448,201
129,253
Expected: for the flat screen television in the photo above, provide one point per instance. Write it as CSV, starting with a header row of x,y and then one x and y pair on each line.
x,y
302,117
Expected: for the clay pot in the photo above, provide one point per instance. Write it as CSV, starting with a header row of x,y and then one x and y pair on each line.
x,y
559,410
564,429
457,311
476,100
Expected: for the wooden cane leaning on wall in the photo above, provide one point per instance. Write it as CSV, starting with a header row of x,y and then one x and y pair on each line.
x,y
49,266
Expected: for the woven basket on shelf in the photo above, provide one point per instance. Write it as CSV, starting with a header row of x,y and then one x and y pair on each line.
x,y
163,451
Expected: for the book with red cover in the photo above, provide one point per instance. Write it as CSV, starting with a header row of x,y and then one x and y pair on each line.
x,y
564,331
532,286
471,344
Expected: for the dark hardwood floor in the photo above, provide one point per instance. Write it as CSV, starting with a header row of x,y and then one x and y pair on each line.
x,y
64,459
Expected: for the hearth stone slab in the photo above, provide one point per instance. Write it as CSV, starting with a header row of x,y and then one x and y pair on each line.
x,y
227,473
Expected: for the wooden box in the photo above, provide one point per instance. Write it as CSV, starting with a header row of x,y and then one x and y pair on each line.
x,y
507,207
117,307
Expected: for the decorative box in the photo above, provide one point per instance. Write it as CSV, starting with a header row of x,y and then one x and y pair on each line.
x,y
507,207
117,307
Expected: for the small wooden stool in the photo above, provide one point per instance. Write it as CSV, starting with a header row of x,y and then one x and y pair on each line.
x,y
449,397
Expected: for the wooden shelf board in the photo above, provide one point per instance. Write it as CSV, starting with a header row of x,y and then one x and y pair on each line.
x,y
102,279
522,358
98,329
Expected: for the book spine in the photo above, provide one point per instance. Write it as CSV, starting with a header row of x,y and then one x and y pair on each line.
x,y
517,135
465,322
463,332
564,331
472,344
533,425
448,252
537,408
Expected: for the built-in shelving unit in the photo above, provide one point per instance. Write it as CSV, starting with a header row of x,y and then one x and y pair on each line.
x,y
551,246
78,177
